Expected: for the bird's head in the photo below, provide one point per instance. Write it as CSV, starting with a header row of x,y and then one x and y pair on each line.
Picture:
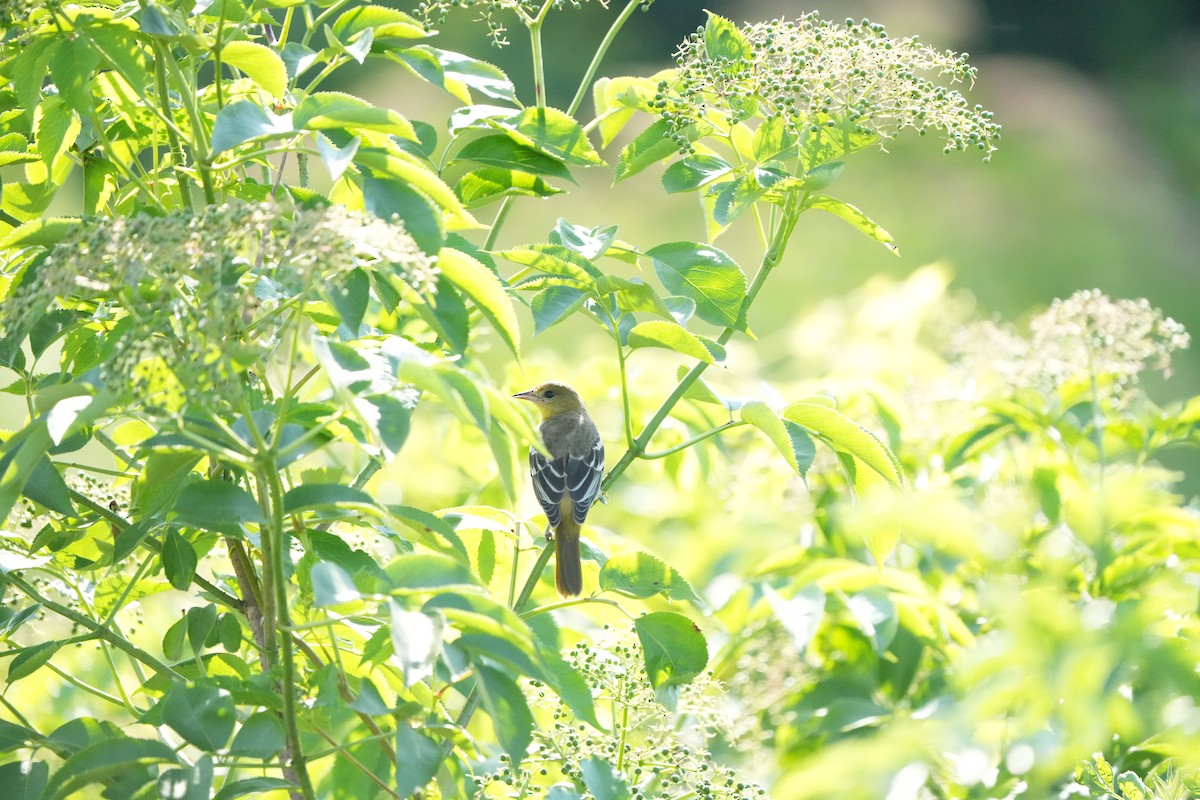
x,y
552,398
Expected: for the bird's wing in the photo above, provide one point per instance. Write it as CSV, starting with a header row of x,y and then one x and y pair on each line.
x,y
549,483
583,478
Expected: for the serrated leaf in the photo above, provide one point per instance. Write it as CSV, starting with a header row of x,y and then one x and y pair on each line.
x,y
554,304
689,174
488,184
323,110
383,22
243,121
639,574
417,760
674,649
706,275
259,63
326,496
551,132
501,151
422,218
789,438
217,506
647,148
30,660
506,705
724,42
104,760
845,435
260,736
669,335
485,292
179,559
603,780
202,714
855,217
457,74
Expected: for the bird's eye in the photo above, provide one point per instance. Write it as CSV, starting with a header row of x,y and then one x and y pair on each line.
x,y
547,394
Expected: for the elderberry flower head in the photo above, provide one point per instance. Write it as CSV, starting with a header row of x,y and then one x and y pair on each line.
x,y
1087,336
850,82
181,305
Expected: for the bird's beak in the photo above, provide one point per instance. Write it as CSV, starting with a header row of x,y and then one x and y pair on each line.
x,y
530,396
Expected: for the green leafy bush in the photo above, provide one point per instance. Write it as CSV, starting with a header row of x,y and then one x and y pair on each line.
x,y
263,532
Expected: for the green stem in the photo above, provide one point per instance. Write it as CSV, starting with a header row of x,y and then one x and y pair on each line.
x,y
281,622
774,253
498,223
535,45
733,423
606,43
199,130
101,631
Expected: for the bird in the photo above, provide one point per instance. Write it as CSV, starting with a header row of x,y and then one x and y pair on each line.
x,y
568,482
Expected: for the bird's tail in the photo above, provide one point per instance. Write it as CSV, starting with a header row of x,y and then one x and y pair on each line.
x,y
568,576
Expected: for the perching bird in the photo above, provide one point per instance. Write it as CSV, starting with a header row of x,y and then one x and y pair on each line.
x,y
568,482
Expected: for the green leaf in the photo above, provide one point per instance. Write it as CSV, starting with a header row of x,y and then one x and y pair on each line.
x,y
323,110
47,487
385,23
105,760
425,571
1131,787
24,780
385,198
457,74
706,275
674,649
788,437
554,304
689,174
71,70
551,132
261,736
434,531
417,760
855,217
217,506
242,121
847,436
332,585
201,713
669,335
505,704
555,259
603,780
252,786
259,63
30,660
639,574
488,184
724,42
409,170
500,151
416,642
160,481
20,455
736,197
326,497
649,147
772,138
44,232
179,559
389,417
486,293
188,783
201,624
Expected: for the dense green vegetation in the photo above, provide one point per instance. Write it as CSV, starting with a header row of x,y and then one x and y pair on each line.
x,y
268,530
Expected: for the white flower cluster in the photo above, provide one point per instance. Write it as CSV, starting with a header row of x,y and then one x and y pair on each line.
x,y
1087,335
823,78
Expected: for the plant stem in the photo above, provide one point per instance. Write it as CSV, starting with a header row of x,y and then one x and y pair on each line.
x,y
601,51
101,631
733,423
774,253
